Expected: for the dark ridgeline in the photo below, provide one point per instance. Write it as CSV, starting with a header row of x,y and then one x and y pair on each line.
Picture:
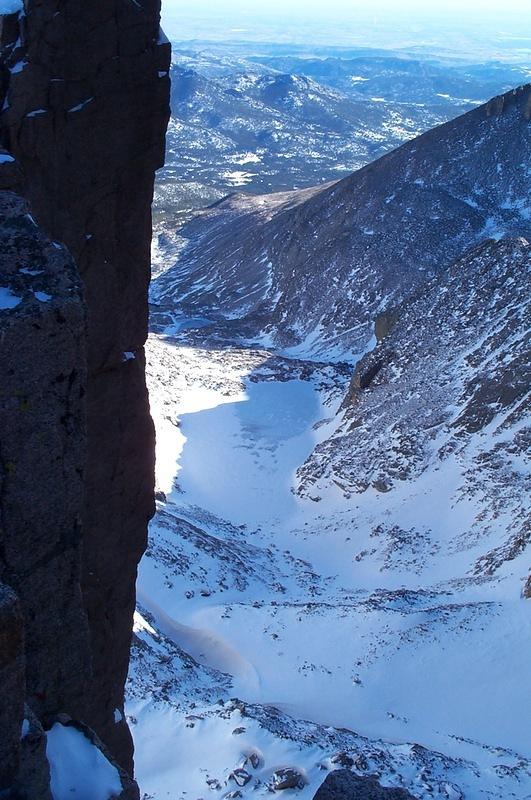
x,y
85,94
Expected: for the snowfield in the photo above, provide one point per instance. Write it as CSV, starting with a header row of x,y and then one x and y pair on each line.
x,y
349,628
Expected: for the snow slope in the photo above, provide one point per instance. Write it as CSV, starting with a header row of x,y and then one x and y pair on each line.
x,y
335,572
353,614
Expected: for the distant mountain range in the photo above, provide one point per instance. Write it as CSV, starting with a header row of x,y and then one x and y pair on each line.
x,y
274,122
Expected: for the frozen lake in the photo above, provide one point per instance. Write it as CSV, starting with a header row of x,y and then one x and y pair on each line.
x,y
239,458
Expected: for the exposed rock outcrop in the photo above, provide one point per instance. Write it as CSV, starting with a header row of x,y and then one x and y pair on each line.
x,y
345,785
84,90
34,771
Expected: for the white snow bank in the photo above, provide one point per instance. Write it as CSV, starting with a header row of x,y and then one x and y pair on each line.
x,y
175,759
206,647
79,771
8,299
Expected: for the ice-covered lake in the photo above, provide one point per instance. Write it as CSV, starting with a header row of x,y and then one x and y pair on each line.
x,y
239,458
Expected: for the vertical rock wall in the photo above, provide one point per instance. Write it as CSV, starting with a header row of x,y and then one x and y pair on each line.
x,y
42,456
85,92
12,677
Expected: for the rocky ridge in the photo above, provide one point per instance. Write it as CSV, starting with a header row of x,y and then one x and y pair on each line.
x,y
314,269
454,364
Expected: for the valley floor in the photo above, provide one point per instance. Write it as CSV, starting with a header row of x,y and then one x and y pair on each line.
x,y
275,630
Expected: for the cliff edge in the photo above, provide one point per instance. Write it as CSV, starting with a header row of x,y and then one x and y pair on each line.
x,y
85,102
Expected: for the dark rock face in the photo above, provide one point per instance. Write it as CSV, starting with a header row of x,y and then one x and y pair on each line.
x,y
345,785
42,454
85,91
12,682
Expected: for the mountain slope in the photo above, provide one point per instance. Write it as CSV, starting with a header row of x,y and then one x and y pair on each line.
x,y
447,390
319,266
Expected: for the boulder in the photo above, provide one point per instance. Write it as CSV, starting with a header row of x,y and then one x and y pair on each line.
x,y
287,778
345,785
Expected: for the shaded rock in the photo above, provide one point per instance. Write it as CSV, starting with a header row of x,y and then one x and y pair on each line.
x,y
384,323
34,773
342,759
10,173
345,785
42,454
12,683
84,119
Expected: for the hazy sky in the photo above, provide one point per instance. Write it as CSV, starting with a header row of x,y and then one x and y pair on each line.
x,y
329,7
453,23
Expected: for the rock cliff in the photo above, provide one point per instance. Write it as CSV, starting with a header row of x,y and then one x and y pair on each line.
x,y
84,90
